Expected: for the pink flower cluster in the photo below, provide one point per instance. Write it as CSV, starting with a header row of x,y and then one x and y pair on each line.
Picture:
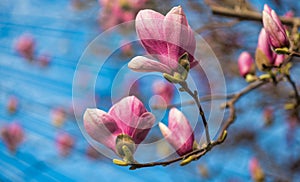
x,y
272,36
12,135
25,46
114,12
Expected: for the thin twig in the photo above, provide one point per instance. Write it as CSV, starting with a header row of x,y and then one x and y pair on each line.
x,y
296,93
194,95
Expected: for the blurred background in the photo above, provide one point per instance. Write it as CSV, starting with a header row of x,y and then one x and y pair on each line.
x,y
41,43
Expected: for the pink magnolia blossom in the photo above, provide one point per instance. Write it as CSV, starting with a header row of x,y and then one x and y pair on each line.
x,y
246,64
256,171
25,46
165,38
264,46
58,116
12,136
163,89
43,60
274,28
179,132
128,116
114,12
64,143
12,104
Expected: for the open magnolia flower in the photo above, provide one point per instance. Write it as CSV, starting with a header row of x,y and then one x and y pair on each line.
x,y
179,132
125,125
168,39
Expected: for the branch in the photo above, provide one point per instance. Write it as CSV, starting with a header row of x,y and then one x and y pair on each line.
x,y
245,14
196,154
296,93
190,102
196,99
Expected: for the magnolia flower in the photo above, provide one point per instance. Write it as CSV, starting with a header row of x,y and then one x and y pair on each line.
x,y
25,46
12,104
179,132
64,143
43,60
126,123
114,12
12,136
58,116
163,89
256,171
274,28
246,64
264,55
167,39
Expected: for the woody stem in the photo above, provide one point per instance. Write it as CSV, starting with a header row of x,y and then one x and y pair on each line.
x,y
194,95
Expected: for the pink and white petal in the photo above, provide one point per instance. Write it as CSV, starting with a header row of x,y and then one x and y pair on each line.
x,y
143,64
101,127
144,124
126,113
149,27
179,36
166,132
180,126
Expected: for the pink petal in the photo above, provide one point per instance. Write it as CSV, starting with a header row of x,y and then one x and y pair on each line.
x,y
143,64
179,132
149,27
245,63
178,35
267,8
101,127
143,127
279,59
126,113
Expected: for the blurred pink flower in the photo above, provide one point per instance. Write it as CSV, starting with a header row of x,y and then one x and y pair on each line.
x,y
246,64
12,104
64,143
264,46
268,115
126,48
179,132
58,116
114,12
256,171
92,153
274,28
128,116
12,136
166,38
25,46
163,89
44,60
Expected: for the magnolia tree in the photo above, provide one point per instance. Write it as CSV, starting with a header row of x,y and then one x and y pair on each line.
x,y
171,48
